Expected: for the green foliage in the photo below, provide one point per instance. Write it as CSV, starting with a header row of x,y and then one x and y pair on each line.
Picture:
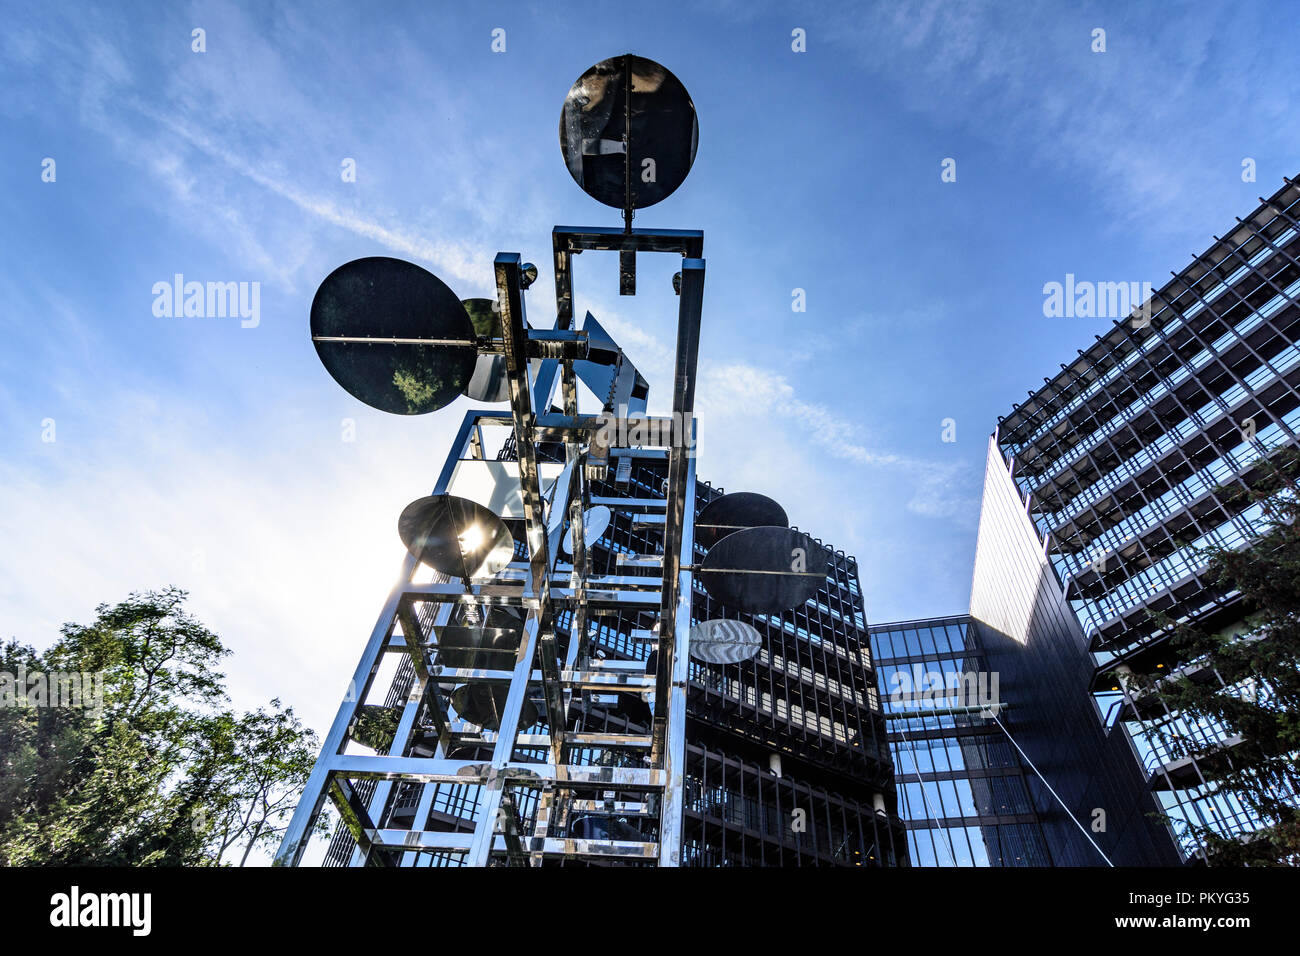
x,y
376,727
162,774
1259,699
417,387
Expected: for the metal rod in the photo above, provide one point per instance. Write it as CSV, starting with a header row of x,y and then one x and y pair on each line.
x,y
380,340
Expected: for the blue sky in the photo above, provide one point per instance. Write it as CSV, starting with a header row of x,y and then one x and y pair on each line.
x,y
198,452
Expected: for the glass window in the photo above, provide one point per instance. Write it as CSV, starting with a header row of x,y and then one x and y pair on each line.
x,y
965,798
941,640
948,791
923,848
960,848
939,755
916,672
945,851
978,849
926,636
915,803
953,752
957,636
930,803
885,675
921,754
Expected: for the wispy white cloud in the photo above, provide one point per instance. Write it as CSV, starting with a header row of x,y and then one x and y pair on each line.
x,y
1022,77
741,393
455,258
744,408
288,546
205,134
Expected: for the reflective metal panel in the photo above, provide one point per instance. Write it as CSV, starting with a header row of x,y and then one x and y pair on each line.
x,y
378,298
456,536
488,383
595,522
483,704
765,570
478,647
628,132
724,642
735,512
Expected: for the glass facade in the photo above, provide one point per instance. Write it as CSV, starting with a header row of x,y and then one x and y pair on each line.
x,y
1123,458
961,784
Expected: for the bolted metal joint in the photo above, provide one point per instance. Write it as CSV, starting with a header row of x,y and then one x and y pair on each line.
x,y
566,344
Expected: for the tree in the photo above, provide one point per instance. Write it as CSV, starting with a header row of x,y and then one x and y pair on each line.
x,y
157,772
271,760
1258,701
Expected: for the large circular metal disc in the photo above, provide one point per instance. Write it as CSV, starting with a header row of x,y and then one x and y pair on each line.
x,y
380,297
595,522
477,647
489,382
724,642
628,132
735,512
483,704
456,536
765,570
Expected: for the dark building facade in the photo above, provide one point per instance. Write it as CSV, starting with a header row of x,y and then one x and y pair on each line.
x,y
1087,790
1120,464
963,789
798,727
787,762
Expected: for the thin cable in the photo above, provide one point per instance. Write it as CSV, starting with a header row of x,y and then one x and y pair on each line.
x,y
1082,828
925,800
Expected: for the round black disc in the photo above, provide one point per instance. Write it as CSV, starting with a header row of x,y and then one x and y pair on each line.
x,y
477,647
483,704
380,297
456,536
735,512
628,132
765,570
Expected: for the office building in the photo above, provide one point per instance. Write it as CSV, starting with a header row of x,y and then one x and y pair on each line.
x,y
1122,462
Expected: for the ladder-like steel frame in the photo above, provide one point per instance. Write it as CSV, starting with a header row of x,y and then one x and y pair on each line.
x,y
541,586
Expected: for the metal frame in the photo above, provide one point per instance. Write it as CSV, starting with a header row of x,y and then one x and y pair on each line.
x,y
364,787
